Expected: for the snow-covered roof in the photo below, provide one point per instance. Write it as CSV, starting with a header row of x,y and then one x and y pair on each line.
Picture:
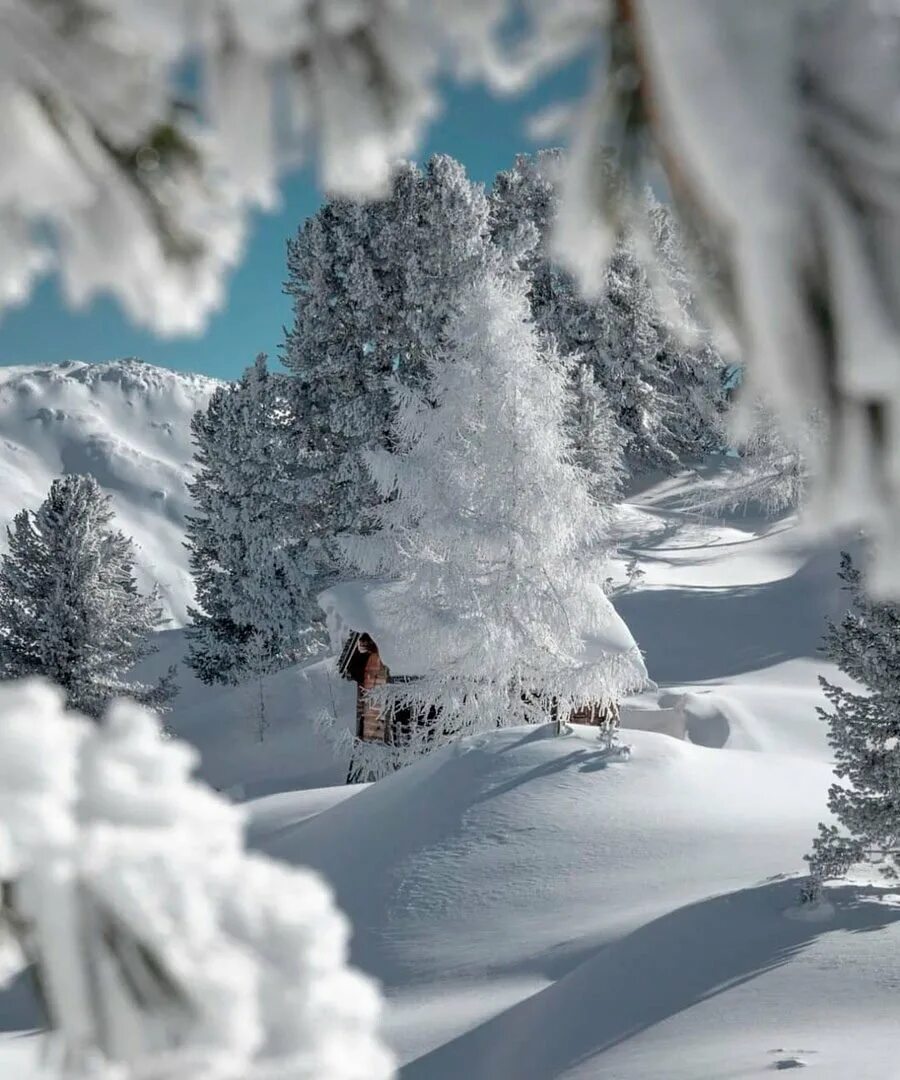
x,y
368,606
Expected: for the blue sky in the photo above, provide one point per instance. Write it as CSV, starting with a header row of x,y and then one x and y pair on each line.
x,y
482,131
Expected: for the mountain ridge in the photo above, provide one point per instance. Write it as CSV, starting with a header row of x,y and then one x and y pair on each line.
x,y
125,422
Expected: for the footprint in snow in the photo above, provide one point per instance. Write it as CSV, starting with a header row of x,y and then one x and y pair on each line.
x,y
791,1060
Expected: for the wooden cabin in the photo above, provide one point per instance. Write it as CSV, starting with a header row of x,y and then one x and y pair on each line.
x,y
373,650
361,663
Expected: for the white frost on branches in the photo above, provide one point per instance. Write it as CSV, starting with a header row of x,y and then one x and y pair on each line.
x,y
115,175
163,949
491,536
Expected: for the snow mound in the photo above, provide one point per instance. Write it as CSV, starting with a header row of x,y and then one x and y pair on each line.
x,y
369,606
536,908
518,824
126,423
773,710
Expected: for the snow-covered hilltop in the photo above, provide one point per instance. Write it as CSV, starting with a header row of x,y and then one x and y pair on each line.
x,y
126,423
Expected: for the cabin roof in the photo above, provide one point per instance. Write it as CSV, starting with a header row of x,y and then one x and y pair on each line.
x,y
347,652
355,607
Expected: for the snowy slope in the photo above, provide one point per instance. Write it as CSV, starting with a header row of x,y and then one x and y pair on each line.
x,y
128,424
730,615
536,910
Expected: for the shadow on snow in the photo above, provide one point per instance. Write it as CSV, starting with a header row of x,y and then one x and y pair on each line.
x,y
653,973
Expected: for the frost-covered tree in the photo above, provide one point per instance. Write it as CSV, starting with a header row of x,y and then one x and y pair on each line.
x,y
373,286
70,609
161,947
254,612
667,396
864,732
491,533
770,471
595,437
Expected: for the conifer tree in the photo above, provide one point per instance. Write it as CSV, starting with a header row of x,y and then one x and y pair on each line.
x,y
595,437
864,732
70,610
254,612
491,533
667,397
372,286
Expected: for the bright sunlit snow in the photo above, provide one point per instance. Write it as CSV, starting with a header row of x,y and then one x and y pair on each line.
x,y
536,906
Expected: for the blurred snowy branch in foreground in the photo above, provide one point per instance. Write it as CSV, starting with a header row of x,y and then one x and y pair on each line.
x,y
778,126
160,947
130,183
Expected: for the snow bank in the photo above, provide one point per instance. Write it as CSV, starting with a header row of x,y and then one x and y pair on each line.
x,y
537,909
274,813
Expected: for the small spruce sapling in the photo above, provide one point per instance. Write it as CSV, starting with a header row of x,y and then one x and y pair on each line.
x,y
864,732
70,609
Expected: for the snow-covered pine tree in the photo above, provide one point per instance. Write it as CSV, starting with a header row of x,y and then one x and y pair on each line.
x,y
372,286
254,612
667,397
596,438
864,732
70,609
491,534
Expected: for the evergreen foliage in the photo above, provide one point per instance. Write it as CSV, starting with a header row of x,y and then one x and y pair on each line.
x,y
864,732
70,609
373,285
253,613
667,396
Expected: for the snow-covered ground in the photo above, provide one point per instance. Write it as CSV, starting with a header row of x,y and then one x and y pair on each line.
x,y
127,424
536,908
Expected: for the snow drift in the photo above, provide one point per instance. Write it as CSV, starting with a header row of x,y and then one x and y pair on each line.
x,y
539,909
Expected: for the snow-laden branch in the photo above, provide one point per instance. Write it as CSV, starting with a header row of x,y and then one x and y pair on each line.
x,y
162,948
129,182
